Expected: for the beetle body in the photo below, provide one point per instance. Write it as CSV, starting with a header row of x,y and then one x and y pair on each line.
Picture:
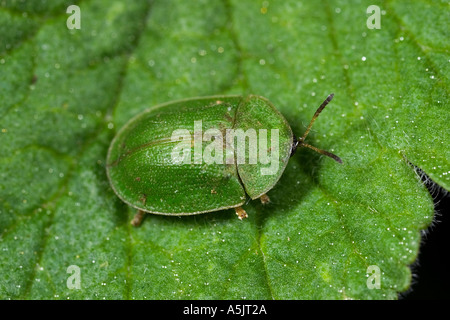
x,y
144,173
201,155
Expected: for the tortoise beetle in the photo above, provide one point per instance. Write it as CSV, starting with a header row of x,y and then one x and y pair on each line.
x,y
239,147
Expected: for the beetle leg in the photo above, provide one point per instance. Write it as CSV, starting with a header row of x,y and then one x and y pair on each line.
x,y
241,213
137,220
264,199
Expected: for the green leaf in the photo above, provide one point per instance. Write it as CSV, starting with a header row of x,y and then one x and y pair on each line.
x,y
65,93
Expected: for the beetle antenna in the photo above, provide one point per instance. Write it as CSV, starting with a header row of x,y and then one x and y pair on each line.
x,y
318,111
300,142
325,153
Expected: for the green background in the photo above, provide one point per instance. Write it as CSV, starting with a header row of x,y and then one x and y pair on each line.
x,y
65,93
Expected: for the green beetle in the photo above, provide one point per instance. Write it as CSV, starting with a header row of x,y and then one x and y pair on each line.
x,y
203,154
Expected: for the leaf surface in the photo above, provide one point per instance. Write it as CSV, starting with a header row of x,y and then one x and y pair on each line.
x,y
65,93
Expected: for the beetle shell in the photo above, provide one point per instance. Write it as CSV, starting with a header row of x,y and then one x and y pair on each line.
x,y
141,167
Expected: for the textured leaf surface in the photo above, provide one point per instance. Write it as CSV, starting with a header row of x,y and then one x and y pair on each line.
x,y
65,93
